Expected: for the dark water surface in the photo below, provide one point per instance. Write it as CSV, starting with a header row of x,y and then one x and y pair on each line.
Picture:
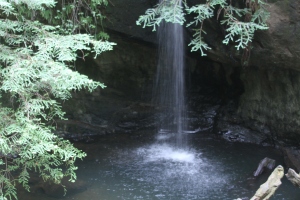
x,y
144,166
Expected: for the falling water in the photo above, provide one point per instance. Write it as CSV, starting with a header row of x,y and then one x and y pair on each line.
x,y
169,88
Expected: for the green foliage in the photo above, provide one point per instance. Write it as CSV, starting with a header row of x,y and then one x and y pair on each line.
x,y
36,71
170,11
77,16
198,44
240,23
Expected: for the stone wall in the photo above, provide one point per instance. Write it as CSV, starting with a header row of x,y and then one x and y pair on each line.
x,y
128,73
272,79
272,97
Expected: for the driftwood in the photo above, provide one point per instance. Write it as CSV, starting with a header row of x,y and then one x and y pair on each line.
x,y
263,164
267,189
293,177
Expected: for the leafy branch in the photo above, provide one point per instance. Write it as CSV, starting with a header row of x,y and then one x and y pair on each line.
x,y
168,10
240,23
36,71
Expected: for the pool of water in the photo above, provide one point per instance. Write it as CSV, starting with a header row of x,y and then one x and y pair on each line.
x,y
146,166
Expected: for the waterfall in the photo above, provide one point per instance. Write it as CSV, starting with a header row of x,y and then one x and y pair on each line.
x,y
170,81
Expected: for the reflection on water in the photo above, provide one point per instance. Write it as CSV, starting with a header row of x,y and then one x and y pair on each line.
x,y
142,167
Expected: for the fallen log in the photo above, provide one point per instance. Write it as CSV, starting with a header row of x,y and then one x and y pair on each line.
x,y
267,189
293,177
263,164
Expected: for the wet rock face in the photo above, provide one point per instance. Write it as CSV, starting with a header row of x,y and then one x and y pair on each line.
x,y
279,45
127,70
276,47
271,79
128,73
272,98
123,14
268,89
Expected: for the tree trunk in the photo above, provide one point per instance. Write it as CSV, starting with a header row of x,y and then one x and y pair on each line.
x,y
267,189
263,164
293,177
